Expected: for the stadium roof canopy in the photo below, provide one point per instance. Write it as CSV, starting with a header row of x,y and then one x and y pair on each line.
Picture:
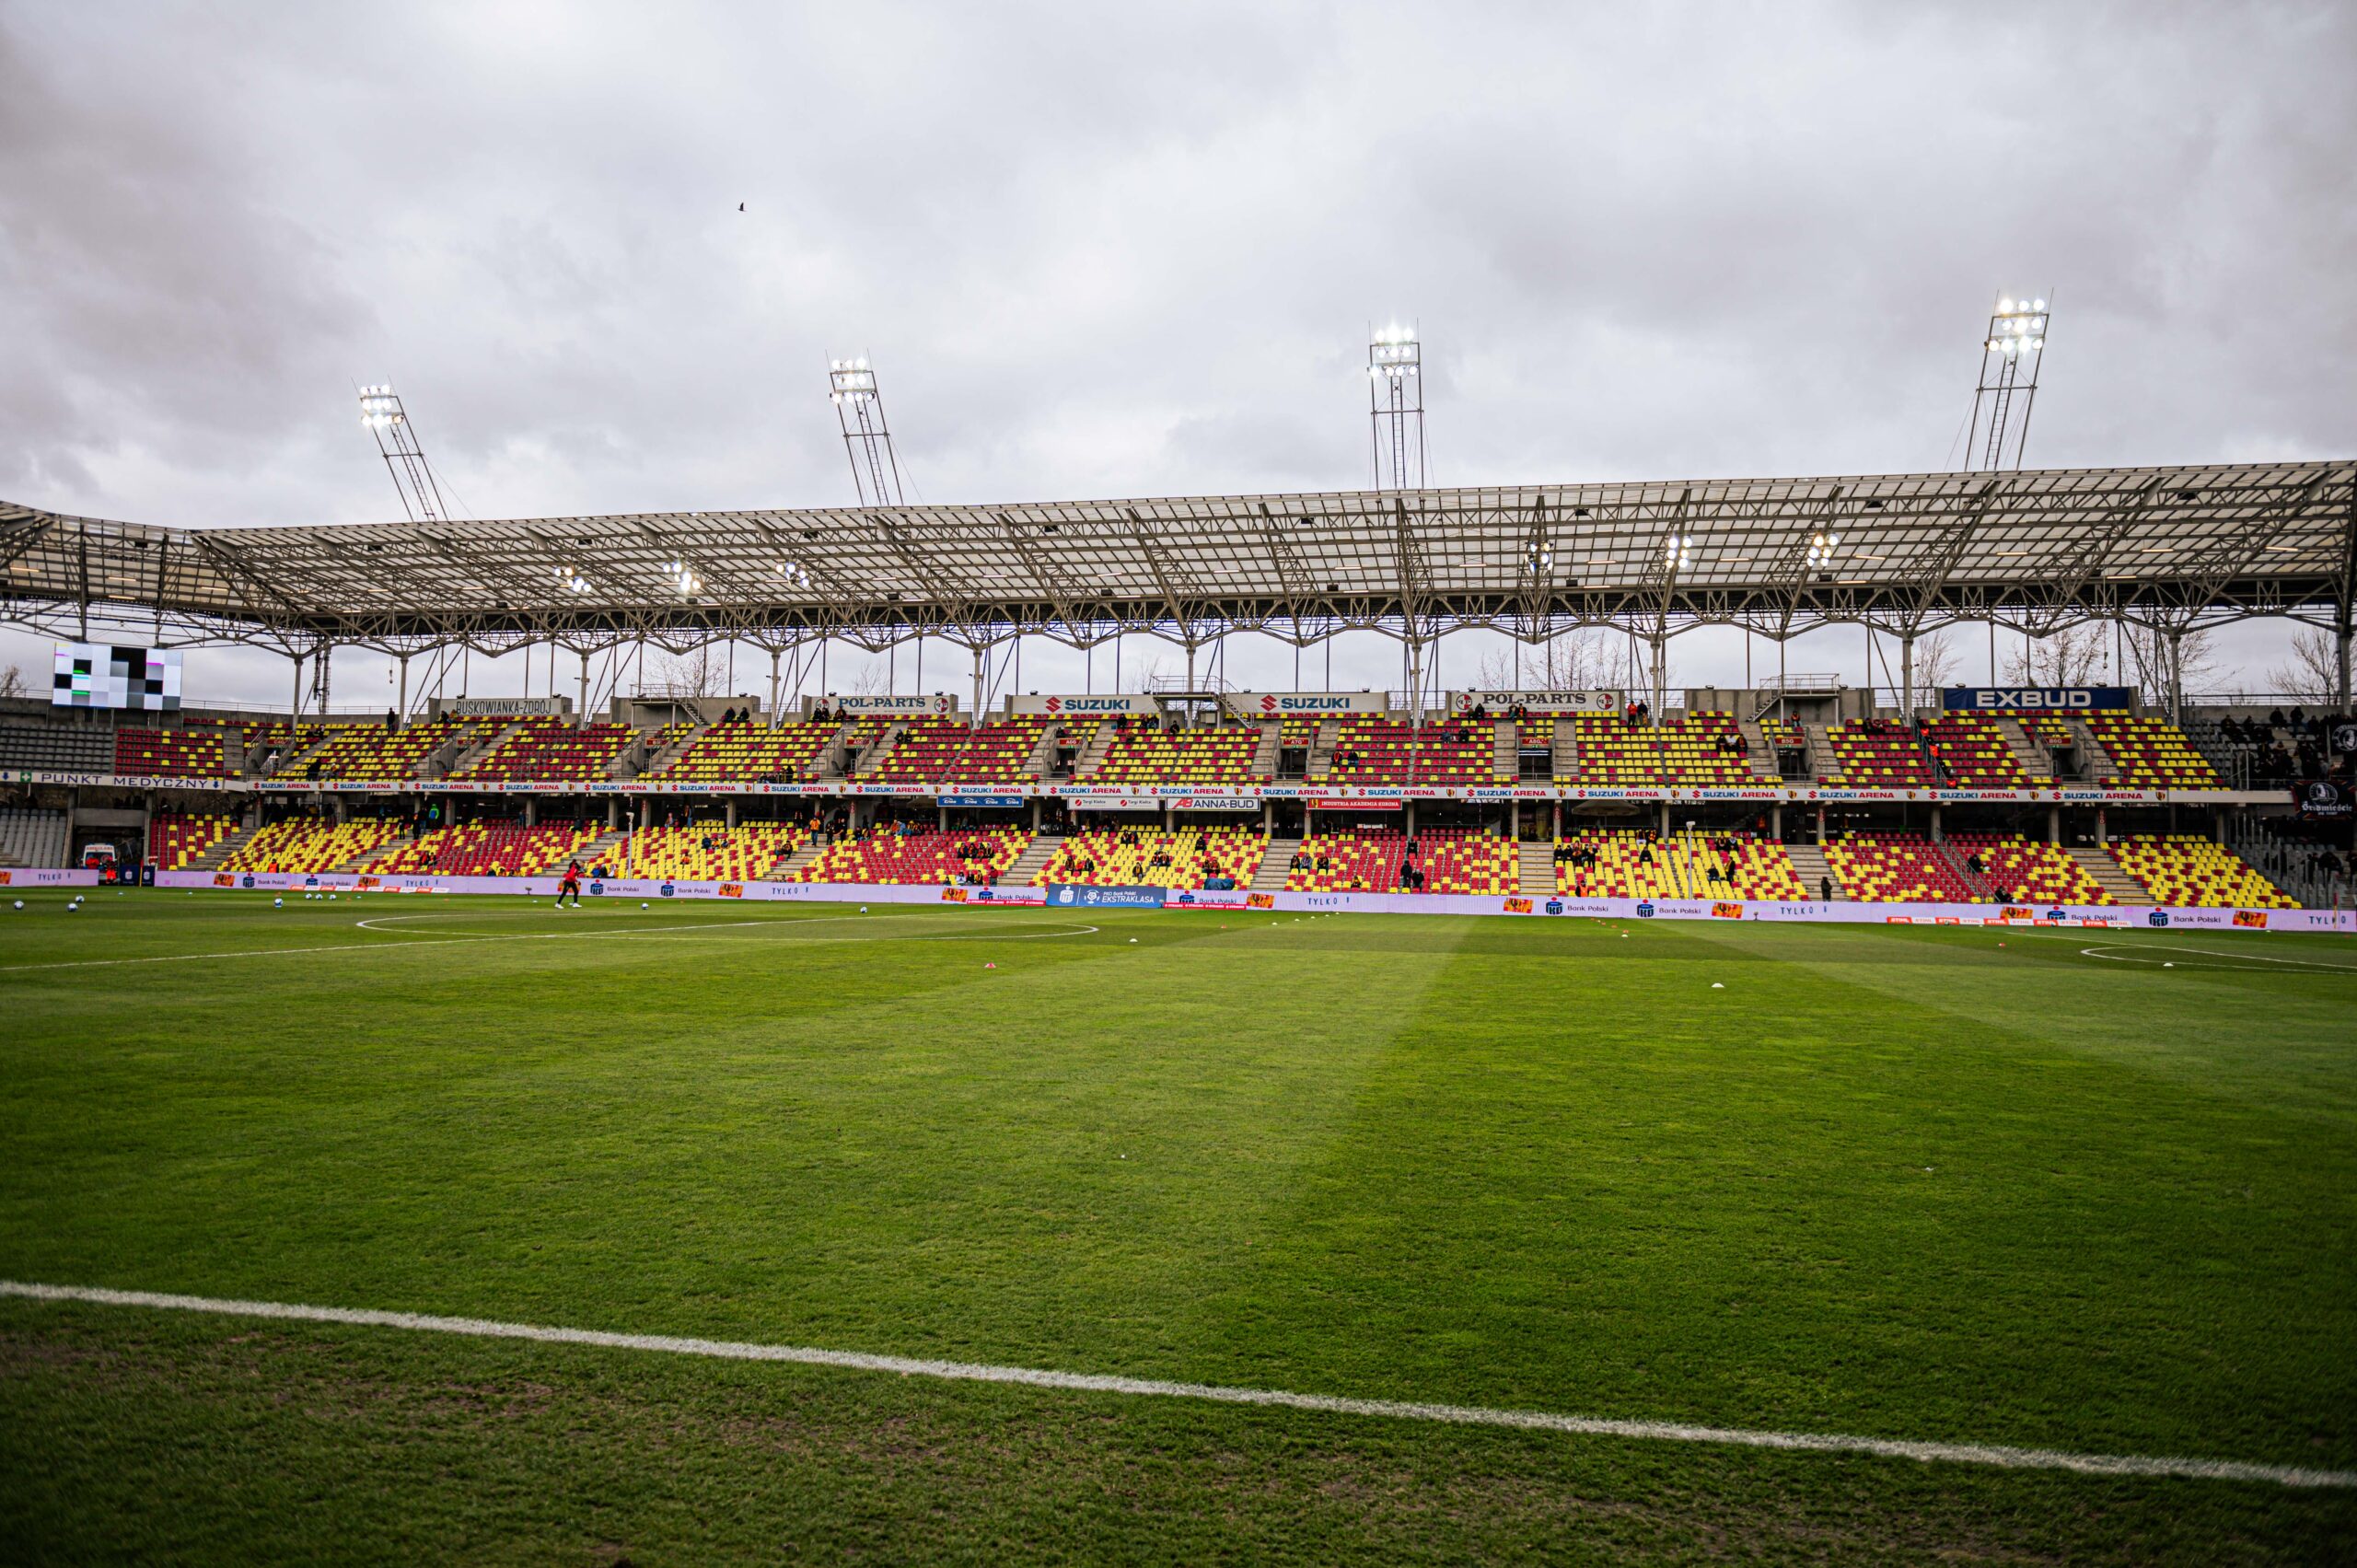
x,y
2036,550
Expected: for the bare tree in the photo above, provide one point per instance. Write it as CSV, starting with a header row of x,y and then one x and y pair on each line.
x,y
2312,674
873,679
1591,658
2068,658
12,683
693,674
2166,669
1938,660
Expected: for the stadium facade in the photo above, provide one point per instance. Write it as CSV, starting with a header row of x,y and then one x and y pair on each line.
x,y
1507,794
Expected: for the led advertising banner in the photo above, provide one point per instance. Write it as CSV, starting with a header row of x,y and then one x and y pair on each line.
x,y
97,675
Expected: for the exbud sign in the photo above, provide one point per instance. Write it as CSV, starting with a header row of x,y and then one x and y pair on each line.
x,y
1307,704
2035,699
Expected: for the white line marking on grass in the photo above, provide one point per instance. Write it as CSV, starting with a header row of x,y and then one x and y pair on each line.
x,y
409,942
2119,953
2001,1456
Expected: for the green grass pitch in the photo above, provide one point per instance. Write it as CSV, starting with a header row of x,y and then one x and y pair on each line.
x,y
1941,1184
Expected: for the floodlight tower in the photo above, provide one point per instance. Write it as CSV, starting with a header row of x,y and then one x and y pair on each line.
x,y
859,408
1395,362
381,412
2009,361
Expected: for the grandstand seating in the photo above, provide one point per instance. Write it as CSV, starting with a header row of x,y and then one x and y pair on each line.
x,y
549,749
1117,857
311,843
56,747
1973,751
1386,751
372,751
277,734
1684,752
928,855
707,852
1635,863
1896,868
748,751
32,838
488,849
1452,860
171,754
1877,754
174,838
2027,871
1145,754
2151,753
933,750
2048,730
1466,860
2187,872
1359,861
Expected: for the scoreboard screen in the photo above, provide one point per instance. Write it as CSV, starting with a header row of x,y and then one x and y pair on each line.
x,y
98,675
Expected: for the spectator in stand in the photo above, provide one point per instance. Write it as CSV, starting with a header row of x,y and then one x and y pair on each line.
x,y
1825,890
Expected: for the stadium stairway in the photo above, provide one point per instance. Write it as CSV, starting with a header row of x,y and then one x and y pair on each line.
x,y
1822,763
1265,755
603,846
1034,859
656,761
873,753
1536,869
1321,754
294,764
220,850
786,870
1271,877
2123,887
1982,889
1043,752
360,862
468,756
2095,757
1566,767
2033,762
1809,861
1092,755
1509,754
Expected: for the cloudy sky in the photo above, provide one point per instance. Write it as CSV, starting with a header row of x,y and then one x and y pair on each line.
x,y
1106,250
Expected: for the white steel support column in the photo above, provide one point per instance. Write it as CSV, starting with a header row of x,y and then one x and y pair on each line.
x,y
772,714
400,705
2054,824
1907,681
1937,836
581,705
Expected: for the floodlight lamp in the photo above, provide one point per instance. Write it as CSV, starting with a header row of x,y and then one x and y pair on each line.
x,y
2039,306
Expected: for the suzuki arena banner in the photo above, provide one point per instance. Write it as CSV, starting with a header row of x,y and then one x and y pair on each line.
x,y
1535,702
2077,918
1306,704
936,706
1084,706
2035,699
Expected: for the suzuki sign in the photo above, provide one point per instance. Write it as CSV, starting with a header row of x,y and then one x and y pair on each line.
x,y
1306,705
1100,705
